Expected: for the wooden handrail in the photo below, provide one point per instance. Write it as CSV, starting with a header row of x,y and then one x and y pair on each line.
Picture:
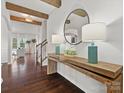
x,y
41,43
44,44
44,59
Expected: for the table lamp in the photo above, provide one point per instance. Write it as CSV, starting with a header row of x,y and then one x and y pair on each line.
x,y
57,39
92,33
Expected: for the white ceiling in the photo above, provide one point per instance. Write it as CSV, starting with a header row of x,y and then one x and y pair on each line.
x,y
103,10
37,5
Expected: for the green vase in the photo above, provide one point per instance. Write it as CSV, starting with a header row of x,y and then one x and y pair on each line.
x,y
92,54
57,50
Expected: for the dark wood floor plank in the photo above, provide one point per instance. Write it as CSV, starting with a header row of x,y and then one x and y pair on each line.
x,y
26,76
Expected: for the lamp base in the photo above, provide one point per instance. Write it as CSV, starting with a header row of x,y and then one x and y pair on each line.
x,y
57,50
92,54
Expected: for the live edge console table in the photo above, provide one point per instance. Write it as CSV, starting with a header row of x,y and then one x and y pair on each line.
x,y
107,73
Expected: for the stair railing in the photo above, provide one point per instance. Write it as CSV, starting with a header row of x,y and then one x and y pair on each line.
x,y
39,48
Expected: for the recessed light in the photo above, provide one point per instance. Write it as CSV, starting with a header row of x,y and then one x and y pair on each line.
x,y
28,20
25,15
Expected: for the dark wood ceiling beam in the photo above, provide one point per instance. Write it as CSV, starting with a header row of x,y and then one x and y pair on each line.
x,y
55,3
25,10
20,19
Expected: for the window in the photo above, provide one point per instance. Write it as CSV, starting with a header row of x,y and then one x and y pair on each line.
x,y
14,45
22,44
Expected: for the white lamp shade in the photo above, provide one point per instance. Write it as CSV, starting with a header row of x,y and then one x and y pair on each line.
x,y
94,32
57,39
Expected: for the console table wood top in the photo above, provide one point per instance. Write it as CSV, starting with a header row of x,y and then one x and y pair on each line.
x,y
107,73
103,68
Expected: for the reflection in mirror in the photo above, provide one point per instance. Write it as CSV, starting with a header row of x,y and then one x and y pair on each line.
x,y
73,26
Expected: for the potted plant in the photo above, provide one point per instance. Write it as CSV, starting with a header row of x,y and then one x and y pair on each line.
x,y
28,42
34,41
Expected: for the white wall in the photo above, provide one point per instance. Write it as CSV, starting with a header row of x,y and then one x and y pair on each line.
x,y
5,35
4,42
30,29
26,28
110,12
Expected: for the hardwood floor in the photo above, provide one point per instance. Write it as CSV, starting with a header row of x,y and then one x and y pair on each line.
x,y
25,76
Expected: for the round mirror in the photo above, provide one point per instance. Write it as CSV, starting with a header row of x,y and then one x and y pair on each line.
x,y
73,26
